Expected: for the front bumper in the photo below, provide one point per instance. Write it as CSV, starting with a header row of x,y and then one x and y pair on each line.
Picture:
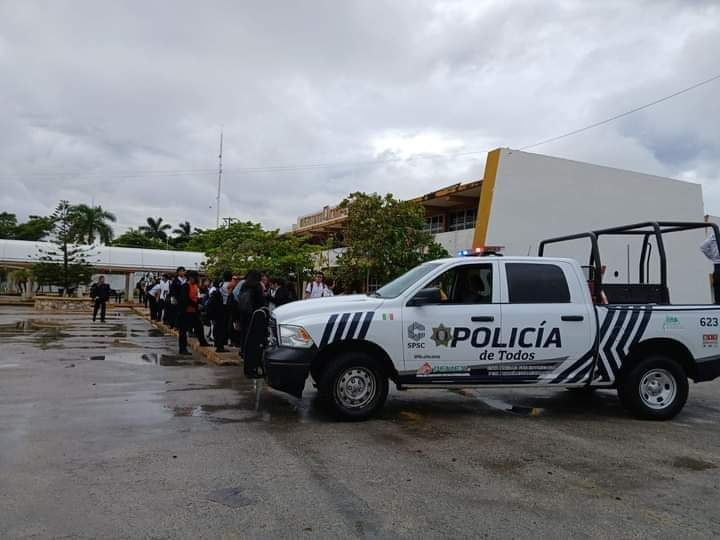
x,y
287,368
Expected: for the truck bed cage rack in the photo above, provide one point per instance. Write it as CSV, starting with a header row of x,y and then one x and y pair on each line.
x,y
648,230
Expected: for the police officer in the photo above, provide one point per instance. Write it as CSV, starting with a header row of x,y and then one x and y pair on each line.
x,y
100,291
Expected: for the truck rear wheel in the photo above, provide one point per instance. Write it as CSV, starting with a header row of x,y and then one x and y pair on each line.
x,y
656,388
354,385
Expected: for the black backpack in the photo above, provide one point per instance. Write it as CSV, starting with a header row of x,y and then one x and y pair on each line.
x,y
245,304
214,304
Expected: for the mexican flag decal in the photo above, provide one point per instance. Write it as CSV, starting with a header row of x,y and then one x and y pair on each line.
x,y
388,316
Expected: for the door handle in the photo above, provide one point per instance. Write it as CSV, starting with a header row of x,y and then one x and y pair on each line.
x,y
572,318
484,318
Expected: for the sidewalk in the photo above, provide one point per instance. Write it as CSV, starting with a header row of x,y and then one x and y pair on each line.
x,y
229,358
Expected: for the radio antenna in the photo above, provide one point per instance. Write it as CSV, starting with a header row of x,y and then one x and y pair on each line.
x,y
217,199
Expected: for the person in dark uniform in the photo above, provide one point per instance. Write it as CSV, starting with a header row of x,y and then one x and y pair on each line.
x,y
172,313
281,294
188,314
100,291
251,297
216,313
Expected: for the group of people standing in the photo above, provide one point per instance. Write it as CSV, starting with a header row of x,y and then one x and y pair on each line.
x,y
177,302
226,305
233,299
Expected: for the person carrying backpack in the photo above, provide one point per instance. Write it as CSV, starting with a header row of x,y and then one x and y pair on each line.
x,y
251,298
318,288
217,314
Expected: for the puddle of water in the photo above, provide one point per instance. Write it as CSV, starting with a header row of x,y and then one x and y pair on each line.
x,y
232,497
685,462
224,414
255,403
144,359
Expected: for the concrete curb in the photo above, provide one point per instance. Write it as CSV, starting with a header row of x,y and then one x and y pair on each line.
x,y
230,358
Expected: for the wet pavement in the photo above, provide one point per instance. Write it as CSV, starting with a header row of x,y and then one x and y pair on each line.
x,y
105,432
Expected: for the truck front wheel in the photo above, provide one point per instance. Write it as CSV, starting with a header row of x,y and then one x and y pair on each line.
x,y
354,385
656,388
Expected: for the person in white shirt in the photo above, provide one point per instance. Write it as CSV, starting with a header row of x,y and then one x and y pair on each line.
x,y
710,249
164,287
318,288
164,292
154,297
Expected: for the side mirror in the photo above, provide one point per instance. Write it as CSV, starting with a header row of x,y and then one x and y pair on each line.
x,y
431,295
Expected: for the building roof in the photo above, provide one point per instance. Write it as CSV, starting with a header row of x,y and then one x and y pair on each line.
x,y
21,253
332,218
451,195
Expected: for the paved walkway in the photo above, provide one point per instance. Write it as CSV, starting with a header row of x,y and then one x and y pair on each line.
x,y
106,433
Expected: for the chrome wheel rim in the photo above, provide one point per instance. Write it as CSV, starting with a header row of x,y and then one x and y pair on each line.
x,y
356,387
658,388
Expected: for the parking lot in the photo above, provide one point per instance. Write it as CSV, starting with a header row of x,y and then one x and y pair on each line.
x,y
105,432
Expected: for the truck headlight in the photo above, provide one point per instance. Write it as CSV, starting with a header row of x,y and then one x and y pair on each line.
x,y
295,336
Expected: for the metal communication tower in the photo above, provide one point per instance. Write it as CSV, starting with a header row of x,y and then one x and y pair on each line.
x,y
217,200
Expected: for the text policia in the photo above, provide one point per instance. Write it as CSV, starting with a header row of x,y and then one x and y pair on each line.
x,y
482,337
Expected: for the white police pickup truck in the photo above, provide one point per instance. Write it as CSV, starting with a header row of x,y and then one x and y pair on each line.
x,y
495,320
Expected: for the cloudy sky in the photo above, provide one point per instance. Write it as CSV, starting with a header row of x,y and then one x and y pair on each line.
x,y
121,103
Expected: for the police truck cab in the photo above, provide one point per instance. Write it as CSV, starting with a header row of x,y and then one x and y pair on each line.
x,y
487,320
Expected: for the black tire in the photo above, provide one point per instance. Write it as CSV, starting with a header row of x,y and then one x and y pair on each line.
x,y
656,388
358,372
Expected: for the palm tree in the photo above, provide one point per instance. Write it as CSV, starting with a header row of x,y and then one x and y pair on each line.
x,y
90,223
183,231
183,234
155,228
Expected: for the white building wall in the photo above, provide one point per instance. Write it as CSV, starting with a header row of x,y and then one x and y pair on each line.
x,y
537,197
455,241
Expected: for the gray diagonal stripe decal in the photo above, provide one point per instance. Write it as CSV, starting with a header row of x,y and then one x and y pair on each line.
x,y
328,330
643,325
611,340
354,324
602,362
341,326
366,324
621,348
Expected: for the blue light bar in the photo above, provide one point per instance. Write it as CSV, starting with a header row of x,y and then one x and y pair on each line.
x,y
480,251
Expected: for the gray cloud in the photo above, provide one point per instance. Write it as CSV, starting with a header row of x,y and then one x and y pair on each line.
x,y
96,94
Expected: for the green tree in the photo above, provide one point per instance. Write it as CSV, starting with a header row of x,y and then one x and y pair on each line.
x,y
91,224
21,277
155,228
66,263
385,237
133,238
243,246
183,233
8,225
36,228
183,229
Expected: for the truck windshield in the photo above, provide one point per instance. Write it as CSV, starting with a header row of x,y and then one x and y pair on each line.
x,y
399,285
